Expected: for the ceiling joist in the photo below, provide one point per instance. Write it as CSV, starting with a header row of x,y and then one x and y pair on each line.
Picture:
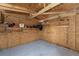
x,y
13,8
45,9
60,15
52,13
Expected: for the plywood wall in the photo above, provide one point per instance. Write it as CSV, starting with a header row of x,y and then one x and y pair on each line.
x,y
14,38
77,32
18,38
18,18
71,32
3,40
56,34
61,32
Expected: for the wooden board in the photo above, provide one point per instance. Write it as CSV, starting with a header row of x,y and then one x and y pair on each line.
x,y
13,39
3,40
55,34
28,36
77,32
71,32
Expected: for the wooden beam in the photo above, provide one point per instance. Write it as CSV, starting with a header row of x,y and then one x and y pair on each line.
x,y
60,15
45,9
67,11
49,13
52,13
10,7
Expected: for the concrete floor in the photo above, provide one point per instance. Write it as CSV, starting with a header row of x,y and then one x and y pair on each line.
x,y
38,48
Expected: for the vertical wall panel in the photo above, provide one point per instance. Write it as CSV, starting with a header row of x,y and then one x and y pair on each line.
x,y
77,32
15,37
55,34
3,40
71,32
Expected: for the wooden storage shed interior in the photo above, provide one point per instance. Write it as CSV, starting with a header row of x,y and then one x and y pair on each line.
x,y
55,23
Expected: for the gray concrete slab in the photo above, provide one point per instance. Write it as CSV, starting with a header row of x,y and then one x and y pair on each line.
x,y
38,48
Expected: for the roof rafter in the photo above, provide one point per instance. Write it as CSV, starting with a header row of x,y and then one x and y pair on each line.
x,y
5,6
45,9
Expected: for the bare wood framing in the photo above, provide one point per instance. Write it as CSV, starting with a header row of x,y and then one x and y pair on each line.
x,y
5,6
60,15
45,9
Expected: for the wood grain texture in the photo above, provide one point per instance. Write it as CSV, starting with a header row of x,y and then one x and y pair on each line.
x,y
56,31
77,32
3,40
71,32
14,38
